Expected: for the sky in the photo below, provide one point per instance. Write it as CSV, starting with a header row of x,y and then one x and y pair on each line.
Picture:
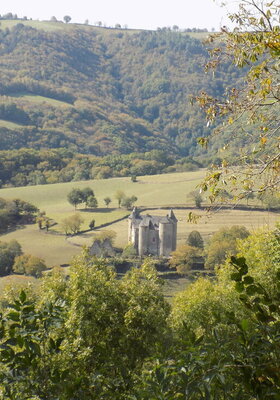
x,y
145,14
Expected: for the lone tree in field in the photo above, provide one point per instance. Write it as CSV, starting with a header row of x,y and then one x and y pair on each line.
x,y
107,201
72,224
67,18
195,240
196,197
128,202
119,195
92,224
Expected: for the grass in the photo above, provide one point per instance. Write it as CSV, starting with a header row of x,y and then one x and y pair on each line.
x,y
173,286
152,191
9,124
41,99
47,26
16,280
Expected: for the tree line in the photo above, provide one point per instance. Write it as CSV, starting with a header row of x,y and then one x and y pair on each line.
x,y
37,167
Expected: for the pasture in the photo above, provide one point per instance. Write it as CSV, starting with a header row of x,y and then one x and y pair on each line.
x,y
155,192
10,124
40,99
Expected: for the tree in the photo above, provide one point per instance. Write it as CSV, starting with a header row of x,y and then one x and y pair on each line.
x,y
129,251
119,195
128,202
8,252
223,244
271,200
253,44
196,196
92,224
108,329
195,240
184,258
72,224
75,197
86,193
91,202
107,201
67,18
27,264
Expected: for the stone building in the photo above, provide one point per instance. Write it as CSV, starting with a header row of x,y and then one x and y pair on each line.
x,y
102,248
152,235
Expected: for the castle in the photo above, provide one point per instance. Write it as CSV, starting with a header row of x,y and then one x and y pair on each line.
x,y
152,235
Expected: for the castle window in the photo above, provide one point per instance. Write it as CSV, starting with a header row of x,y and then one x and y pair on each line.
x,y
154,239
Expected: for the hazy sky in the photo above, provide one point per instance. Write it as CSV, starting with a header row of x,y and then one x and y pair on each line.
x,y
147,14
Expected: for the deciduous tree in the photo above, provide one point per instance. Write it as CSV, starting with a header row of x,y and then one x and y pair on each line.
x,y
254,45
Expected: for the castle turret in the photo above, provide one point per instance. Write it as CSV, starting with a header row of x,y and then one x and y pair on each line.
x,y
174,220
143,239
133,231
165,237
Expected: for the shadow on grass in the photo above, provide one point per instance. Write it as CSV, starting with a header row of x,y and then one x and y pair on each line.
x,y
98,210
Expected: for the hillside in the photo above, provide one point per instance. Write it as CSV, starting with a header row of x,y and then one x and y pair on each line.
x,y
98,91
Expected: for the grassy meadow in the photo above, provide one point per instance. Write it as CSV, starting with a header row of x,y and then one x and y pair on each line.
x,y
152,191
39,99
9,124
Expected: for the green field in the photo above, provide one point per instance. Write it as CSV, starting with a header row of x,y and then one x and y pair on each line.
x,y
40,99
9,124
152,191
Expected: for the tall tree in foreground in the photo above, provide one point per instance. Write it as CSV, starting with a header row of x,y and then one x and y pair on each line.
x,y
255,45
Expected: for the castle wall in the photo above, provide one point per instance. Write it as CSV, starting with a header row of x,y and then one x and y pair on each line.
x,y
153,242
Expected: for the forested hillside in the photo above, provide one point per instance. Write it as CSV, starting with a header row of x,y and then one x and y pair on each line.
x,y
100,91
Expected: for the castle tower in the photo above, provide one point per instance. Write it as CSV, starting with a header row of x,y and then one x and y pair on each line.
x,y
174,220
133,231
143,239
165,237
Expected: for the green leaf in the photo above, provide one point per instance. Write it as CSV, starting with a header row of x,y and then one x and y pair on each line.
x,y
244,324
251,290
22,296
13,315
248,280
239,287
273,308
236,276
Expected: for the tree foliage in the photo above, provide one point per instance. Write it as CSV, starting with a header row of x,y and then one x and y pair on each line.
x,y
185,257
72,224
8,252
195,240
254,46
223,244
27,264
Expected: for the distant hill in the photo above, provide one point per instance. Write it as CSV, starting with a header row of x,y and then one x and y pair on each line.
x,y
101,92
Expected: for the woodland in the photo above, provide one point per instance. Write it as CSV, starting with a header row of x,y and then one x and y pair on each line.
x,y
69,97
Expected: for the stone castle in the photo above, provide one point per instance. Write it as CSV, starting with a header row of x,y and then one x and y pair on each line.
x,y
152,235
